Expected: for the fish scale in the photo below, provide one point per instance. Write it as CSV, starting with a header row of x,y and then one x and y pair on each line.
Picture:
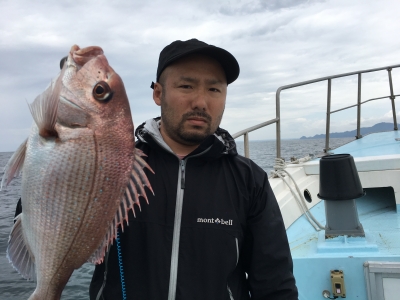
x,y
77,165
66,213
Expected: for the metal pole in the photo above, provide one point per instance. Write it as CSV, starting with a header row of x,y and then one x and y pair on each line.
x,y
328,116
278,123
392,97
358,136
246,145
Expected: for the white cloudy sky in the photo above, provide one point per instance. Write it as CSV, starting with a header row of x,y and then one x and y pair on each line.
x,y
276,43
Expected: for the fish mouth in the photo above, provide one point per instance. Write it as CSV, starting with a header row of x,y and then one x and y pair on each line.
x,y
67,102
82,56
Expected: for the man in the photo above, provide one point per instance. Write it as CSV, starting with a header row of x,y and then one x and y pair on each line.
x,y
213,229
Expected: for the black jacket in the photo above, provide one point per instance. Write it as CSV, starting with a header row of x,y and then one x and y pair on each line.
x,y
213,219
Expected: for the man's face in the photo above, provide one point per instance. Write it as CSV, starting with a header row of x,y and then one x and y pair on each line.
x,y
192,99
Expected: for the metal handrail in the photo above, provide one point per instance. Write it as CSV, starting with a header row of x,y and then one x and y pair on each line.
x,y
277,118
245,132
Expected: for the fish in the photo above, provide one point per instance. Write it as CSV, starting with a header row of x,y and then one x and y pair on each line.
x,y
81,173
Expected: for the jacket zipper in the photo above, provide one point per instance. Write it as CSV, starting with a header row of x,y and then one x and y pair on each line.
x,y
183,164
173,274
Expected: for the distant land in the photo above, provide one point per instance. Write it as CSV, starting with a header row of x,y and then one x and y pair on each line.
x,y
364,130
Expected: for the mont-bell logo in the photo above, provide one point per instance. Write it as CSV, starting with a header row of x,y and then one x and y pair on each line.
x,y
215,221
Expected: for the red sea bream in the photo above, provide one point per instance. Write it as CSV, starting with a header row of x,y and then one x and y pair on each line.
x,y
80,171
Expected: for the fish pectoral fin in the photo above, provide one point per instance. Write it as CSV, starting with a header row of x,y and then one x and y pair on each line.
x,y
19,253
14,165
136,188
44,108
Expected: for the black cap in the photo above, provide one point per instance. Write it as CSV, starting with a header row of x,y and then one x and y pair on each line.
x,y
178,49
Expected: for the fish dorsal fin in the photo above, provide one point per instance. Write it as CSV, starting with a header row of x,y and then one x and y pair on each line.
x,y
14,165
44,107
136,188
18,252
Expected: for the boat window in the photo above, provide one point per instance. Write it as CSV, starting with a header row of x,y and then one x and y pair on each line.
x,y
382,279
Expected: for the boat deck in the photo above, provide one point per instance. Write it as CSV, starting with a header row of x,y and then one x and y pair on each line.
x,y
310,249
377,158
374,152
377,214
374,144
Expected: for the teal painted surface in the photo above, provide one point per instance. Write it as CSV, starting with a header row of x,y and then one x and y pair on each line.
x,y
345,244
314,257
381,143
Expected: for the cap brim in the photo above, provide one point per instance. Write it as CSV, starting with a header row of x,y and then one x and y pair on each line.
x,y
227,60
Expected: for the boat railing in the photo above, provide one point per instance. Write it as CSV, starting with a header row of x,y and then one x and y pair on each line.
x,y
277,119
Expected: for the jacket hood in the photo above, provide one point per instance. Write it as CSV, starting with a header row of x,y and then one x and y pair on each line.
x,y
221,142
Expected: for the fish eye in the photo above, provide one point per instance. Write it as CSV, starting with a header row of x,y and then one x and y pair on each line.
x,y
102,91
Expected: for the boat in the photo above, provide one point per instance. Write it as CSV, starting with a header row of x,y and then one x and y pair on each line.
x,y
341,209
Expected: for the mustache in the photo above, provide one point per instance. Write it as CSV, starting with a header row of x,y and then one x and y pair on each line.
x,y
200,114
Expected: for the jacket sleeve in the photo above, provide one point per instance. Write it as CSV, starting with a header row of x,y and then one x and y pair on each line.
x,y
18,209
267,256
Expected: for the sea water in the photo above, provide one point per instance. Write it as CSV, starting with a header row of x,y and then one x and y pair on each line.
x,y
13,286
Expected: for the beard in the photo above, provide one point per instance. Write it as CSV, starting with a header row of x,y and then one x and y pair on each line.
x,y
177,131
193,135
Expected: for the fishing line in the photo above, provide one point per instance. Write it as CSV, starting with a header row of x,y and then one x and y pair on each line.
x,y
121,267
